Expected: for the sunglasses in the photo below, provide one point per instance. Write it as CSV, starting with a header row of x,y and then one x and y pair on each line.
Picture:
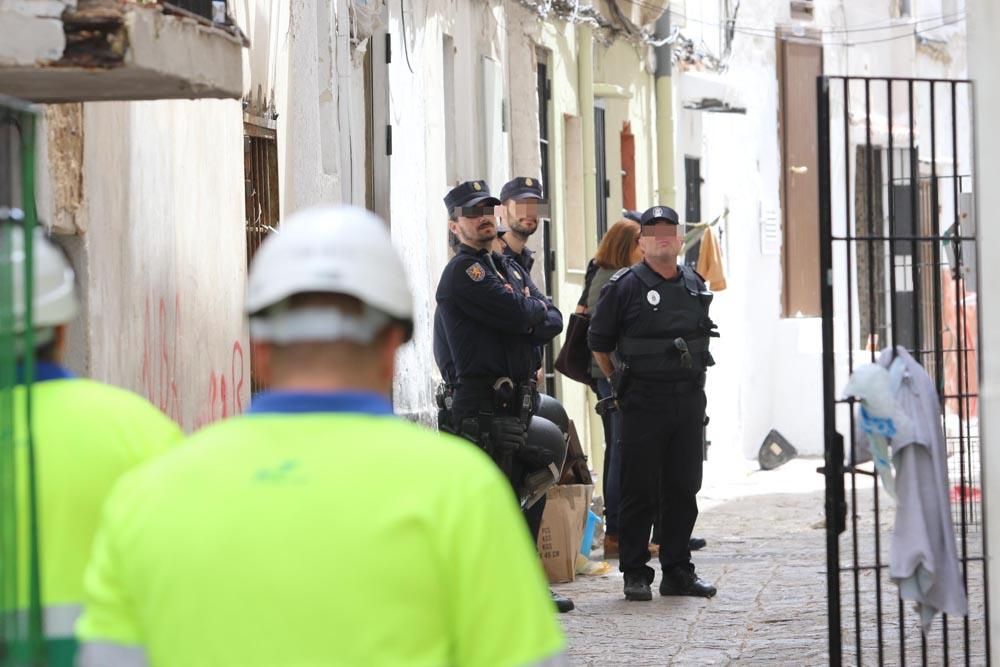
x,y
474,211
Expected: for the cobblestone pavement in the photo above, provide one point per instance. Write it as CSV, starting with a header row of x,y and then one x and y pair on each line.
x,y
767,556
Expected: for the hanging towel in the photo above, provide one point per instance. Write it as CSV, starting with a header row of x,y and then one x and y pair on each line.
x,y
710,262
923,556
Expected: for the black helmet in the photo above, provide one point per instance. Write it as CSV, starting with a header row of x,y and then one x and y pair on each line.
x,y
551,409
545,445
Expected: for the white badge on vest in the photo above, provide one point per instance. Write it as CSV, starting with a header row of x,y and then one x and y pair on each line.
x,y
653,297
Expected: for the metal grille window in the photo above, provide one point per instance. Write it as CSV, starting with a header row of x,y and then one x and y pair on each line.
x,y
895,160
260,164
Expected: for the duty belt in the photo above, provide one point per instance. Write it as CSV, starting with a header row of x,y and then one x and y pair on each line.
x,y
671,386
657,347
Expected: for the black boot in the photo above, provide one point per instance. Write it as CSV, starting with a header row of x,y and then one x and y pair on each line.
x,y
637,588
681,580
563,603
697,543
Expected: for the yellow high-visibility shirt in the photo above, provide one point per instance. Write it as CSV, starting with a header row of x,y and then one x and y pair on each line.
x,y
86,435
340,535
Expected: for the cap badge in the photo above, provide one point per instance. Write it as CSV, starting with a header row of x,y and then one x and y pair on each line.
x,y
529,182
476,186
658,212
476,272
653,297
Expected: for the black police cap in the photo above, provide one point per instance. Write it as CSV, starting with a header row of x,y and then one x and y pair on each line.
x,y
522,187
470,193
659,214
634,216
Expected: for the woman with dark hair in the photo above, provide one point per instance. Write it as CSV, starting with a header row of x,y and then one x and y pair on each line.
x,y
619,249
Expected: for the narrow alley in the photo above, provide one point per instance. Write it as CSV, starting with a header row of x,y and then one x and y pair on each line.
x,y
766,554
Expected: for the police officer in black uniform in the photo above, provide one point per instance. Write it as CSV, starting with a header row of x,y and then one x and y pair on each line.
x,y
654,317
522,207
490,318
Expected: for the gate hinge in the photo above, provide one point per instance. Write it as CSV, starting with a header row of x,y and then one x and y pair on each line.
x,y
388,47
388,139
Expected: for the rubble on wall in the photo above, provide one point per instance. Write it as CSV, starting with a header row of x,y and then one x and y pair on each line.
x,y
95,35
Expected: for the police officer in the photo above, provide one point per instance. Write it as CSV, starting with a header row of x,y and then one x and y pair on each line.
x,y
522,206
654,317
276,538
695,543
85,434
493,318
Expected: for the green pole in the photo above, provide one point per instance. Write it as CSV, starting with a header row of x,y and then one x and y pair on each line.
x,y
35,630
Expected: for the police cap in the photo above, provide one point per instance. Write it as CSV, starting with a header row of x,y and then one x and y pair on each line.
x,y
659,214
634,216
522,187
470,193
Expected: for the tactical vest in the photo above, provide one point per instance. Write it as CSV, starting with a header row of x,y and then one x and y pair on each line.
x,y
669,339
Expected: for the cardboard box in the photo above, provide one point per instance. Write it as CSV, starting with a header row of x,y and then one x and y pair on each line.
x,y
562,529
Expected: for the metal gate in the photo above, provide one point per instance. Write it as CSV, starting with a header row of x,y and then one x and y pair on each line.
x,y
898,267
21,623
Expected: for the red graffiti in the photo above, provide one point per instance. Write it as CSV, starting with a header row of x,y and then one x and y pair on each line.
x,y
219,404
159,376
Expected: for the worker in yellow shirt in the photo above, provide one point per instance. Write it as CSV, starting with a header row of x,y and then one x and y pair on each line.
x,y
319,529
85,435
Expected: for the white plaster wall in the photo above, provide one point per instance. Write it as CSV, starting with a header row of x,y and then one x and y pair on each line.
x,y
417,166
309,124
165,254
769,368
984,26
31,31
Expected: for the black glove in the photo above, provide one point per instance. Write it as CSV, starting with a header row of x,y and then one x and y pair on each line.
x,y
507,435
535,456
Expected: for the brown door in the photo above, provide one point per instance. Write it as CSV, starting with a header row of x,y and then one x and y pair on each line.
x,y
799,63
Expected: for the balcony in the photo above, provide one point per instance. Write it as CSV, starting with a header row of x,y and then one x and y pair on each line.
x,y
102,50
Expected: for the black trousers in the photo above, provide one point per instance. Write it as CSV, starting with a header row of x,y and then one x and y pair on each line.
x,y
661,475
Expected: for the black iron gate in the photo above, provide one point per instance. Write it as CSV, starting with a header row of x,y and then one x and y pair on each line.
x,y
897,261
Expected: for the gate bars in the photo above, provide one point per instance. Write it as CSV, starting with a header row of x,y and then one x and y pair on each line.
x,y
898,267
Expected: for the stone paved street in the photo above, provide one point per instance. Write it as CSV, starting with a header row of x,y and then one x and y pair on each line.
x,y
765,557
766,554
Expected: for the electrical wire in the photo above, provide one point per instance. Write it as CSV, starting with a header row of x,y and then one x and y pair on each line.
x,y
406,38
770,33
909,34
764,30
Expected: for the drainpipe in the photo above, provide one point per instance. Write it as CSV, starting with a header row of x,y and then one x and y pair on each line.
x,y
585,97
665,187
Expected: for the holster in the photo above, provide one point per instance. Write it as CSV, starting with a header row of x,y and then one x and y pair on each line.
x,y
619,379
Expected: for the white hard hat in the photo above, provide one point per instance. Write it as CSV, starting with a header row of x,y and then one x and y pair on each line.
x,y
54,290
332,249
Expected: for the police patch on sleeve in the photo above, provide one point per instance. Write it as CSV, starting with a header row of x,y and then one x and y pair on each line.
x,y
476,272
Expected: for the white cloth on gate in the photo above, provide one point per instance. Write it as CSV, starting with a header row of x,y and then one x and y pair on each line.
x,y
923,558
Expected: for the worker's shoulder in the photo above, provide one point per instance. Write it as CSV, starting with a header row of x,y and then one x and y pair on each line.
x,y
104,401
